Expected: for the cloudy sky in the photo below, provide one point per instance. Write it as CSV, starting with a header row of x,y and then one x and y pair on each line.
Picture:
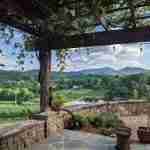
x,y
115,56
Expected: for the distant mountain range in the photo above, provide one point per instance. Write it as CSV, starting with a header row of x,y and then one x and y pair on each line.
x,y
111,71
106,71
100,71
16,75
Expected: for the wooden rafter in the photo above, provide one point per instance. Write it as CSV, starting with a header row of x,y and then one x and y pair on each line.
x,y
37,9
24,8
18,25
96,39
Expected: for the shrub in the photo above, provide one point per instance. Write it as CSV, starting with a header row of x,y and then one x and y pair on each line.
x,y
79,121
91,120
107,120
102,120
116,91
98,121
27,112
90,99
58,101
19,101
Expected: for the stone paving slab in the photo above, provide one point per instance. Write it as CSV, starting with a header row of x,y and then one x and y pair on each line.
x,y
75,140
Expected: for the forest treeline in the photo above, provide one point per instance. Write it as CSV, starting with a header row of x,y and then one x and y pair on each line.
x,y
25,87
131,86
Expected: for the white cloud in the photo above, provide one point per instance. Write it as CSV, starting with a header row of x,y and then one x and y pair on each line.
x,y
3,60
106,56
11,64
118,57
8,62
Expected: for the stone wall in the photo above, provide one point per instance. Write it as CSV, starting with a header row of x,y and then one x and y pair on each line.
x,y
124,108
55,121
26,133
23,135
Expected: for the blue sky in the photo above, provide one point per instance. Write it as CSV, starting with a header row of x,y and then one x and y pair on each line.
x,y
123,56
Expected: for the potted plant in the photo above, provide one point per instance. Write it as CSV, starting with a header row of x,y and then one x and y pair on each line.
x,y
58,102
144,132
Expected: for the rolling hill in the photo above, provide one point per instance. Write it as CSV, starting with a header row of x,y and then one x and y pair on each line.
x,y
110,71
33,74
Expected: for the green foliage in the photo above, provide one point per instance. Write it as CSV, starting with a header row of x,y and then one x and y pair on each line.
x,y
135,94
92,120
79,121
81,94
101,120
116,88
20,87
12,110
107,120
19,91
24,95
58,101
116,91
90,99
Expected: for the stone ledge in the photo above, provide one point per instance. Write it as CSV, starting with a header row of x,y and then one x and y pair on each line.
x,y
21,127
40,116
124,108
22,136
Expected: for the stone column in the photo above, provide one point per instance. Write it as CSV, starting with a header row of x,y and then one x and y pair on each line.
x,y
123,138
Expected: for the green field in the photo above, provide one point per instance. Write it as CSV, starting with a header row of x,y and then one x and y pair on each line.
x,y
72,95
11,113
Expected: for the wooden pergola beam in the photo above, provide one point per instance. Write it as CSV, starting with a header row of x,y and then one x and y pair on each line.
x,y
96,39
55,41
8,20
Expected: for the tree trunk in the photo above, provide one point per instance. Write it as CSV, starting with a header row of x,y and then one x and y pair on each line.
x,y
44,78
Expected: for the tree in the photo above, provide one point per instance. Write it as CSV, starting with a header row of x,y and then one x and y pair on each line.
x,y
116,88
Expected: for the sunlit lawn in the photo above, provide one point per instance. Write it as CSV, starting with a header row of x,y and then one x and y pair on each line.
x,y
76,94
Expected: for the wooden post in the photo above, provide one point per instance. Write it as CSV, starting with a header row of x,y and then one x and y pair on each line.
x,y
44,78
50,79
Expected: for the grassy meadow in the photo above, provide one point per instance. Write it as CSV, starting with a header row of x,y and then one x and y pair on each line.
x,y
10,112
77,94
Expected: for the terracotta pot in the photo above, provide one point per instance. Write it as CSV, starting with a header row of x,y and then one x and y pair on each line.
x,y
123,138
144,134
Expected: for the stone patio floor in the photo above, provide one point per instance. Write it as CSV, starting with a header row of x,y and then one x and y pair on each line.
x,y
75,140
